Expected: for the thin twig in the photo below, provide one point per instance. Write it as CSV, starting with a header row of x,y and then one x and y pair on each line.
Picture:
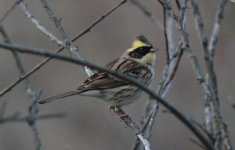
x,y
17,118
9,11
68,42
203,38
216,28
39,26
165,31
15,54
171,63
200,24
147,13
43,52
43,62
33,111
56,20
131,124
177,4
144,141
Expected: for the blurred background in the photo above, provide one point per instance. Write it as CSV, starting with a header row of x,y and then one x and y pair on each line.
x,y
89,123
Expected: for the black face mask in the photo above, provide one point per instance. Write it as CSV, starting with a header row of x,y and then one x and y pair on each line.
x,y
140,52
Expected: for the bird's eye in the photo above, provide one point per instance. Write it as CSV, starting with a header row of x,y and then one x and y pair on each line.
x,y
135,55
142,50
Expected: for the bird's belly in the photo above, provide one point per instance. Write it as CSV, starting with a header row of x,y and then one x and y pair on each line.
x,y
122,95
119,96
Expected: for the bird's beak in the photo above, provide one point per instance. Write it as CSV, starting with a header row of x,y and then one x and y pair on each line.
x,y
154,49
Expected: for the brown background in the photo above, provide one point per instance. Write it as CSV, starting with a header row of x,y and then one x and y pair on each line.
x,y
90,124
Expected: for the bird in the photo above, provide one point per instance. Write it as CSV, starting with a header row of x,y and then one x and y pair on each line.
x,y
136,62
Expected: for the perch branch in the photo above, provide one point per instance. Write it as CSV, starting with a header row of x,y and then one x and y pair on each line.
x,y
131,124
47,53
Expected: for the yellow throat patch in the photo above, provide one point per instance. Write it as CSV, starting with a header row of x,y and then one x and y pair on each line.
x,y
148,57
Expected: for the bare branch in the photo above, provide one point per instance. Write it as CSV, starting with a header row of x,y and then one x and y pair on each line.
x,y
39,26
214,120
33,111
147,14
131,124
19,64
144,141
56,20
216,28
68,43
200,25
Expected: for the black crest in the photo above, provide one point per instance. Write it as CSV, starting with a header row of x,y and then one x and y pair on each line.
x,y
143,39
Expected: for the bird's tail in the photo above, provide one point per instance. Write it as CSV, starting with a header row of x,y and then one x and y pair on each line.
x,y
59,96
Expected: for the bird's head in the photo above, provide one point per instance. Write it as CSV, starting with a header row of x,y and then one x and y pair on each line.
x,y
141,51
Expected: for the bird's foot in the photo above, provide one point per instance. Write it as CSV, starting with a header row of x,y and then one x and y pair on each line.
x,y
121,113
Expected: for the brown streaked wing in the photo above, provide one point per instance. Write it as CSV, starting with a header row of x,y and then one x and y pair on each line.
x,y
102,80
112,63
130,68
